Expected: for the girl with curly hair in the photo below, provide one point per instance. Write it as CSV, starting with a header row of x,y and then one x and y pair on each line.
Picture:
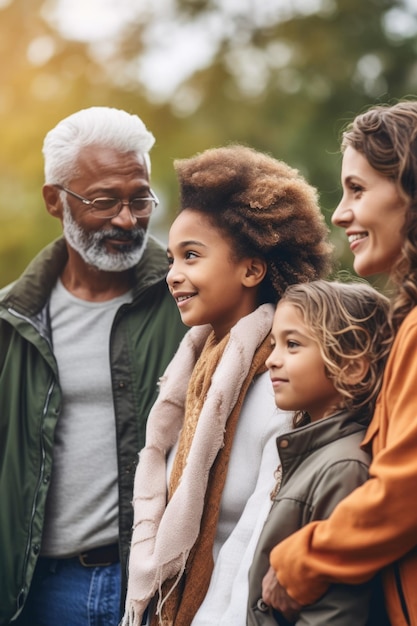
x,y
330,342
375,527
249,226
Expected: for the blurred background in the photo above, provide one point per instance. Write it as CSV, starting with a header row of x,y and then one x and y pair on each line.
x,y
283,76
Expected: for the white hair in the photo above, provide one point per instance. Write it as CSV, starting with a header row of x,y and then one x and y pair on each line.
x,y
103,126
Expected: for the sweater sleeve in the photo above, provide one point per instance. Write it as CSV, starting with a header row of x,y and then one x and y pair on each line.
x,y
377,523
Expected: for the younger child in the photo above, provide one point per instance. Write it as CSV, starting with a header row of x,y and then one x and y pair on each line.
x,y
330,343
248,226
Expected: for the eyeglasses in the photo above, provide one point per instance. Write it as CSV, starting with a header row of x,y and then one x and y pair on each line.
x,y
107,208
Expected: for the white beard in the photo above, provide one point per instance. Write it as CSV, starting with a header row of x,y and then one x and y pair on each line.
x,y
91,248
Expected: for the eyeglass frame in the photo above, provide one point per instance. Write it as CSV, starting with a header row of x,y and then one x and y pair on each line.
x,y
118,203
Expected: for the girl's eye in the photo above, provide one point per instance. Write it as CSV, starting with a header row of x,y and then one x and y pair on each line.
x,y
292,344
190,255
170,261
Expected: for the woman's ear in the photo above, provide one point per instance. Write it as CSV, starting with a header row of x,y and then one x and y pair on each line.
x,y
52,200
255,272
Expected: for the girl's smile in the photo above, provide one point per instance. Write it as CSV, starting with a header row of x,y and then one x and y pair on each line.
x,y
182,299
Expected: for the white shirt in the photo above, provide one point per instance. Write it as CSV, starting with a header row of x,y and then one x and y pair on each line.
x,y
245,505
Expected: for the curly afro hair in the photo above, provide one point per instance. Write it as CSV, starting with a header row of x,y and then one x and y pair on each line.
x,y
264,207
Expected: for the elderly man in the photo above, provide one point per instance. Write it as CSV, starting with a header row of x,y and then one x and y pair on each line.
x,y
85,333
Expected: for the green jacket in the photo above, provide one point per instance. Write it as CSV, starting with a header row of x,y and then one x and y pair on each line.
x,y
144,337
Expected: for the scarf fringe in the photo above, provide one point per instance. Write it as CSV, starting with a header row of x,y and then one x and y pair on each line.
x,y
133,615
161,599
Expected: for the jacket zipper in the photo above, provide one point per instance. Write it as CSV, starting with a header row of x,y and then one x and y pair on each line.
x,y
20,596
41,474
32,323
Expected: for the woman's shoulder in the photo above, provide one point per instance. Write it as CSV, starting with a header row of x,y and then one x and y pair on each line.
x,y
406,335
409,321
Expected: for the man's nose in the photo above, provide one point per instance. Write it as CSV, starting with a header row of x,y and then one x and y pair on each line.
x,y
125,218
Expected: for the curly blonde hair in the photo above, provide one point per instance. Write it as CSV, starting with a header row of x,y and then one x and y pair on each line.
x,y
349,321
264,207
387,137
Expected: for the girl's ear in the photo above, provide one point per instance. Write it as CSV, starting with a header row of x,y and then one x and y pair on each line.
x,y
52,200
357,370
255,272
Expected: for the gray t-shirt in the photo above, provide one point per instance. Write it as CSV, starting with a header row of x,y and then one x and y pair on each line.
x,y
82,504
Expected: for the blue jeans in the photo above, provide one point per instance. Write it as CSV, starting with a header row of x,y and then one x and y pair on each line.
x,y
65,593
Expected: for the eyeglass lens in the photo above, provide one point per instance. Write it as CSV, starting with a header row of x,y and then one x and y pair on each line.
x,y
110,207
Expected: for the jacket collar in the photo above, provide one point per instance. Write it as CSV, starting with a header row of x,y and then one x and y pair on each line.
x,y
307,439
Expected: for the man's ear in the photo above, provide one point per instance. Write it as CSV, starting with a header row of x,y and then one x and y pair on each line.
x,y
52,200
255,272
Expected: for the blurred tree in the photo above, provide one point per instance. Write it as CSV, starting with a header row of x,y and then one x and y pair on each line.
x,y
283,77
43,78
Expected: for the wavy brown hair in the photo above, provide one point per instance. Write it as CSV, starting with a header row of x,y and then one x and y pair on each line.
x,y
387,137
349,321
264,207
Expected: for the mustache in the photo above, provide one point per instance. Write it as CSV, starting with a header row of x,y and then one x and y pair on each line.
x,y
136,234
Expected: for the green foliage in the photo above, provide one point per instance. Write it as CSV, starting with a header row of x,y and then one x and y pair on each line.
x,y
286,86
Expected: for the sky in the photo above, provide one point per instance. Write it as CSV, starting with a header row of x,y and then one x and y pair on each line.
x,y
90,20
